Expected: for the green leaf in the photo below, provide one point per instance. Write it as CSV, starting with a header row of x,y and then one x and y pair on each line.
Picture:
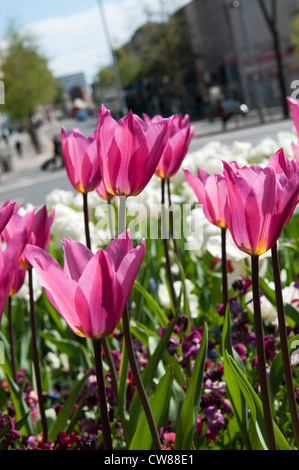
x,y
256,407
148,376
73,349
162,318
189,412
289,310
21,409
276,371
65,412
159,401
235,394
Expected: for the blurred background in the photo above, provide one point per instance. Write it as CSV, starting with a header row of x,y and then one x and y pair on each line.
x,y
210,59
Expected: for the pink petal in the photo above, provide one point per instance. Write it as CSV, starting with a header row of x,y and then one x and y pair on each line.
x,y
60,289
6,211
119,247
76,257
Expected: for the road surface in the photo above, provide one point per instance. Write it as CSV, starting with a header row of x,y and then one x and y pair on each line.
x,y
33,185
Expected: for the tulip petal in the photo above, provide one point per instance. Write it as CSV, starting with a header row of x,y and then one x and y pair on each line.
x,y
103,293
119,247
6,211
76,257
129,268
60,289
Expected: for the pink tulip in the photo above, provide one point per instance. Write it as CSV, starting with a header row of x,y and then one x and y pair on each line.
x,y
282,164
294,108
210,191
6,211
40,234
177,144
91,291
18,278
10,256
129,151
81,160
102,191
259,203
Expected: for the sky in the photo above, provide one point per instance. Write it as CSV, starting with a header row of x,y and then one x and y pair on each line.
x,y
71,33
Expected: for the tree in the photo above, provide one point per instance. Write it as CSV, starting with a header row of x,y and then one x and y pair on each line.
x,y
129,66
159,56
271,20
28,80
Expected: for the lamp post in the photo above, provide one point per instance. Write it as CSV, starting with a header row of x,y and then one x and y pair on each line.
x,y
118,84
250,53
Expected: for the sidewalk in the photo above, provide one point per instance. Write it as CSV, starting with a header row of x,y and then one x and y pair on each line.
x,y
203,128
29,158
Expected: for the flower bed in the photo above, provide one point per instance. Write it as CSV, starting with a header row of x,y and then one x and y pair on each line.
x,y
197,360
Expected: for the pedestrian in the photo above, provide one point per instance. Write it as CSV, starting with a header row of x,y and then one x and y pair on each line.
x,y
223,113
19,148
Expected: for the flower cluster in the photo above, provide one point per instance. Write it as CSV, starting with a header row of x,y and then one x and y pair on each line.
x,y
104,339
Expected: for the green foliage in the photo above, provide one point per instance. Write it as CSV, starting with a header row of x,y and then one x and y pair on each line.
x,y
28,80
190,408
158,51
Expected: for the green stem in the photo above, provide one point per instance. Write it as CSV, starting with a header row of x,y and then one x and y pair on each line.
x,y
138,380
165,244
36,359
224,270
110,219
97,345
104,340
261,354
86,220
130,348
284,344
111,365
122,214
11,340
176,250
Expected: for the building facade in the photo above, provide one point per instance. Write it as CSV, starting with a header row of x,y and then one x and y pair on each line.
x,y
234,45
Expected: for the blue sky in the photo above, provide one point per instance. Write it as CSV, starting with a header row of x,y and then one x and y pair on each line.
x,y
70,32
30,11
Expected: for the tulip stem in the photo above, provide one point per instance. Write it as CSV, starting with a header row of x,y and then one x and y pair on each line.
x,y
224,270
165,244
105,342
261,353
129,345
11,340
122,214
171,221
36,359
138,380
86,220
97,345
110,219
284,344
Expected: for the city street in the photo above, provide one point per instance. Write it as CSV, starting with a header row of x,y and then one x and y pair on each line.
x,y
32,185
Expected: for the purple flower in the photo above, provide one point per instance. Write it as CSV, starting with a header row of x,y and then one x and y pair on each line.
x,y
191,344
241,350
215,419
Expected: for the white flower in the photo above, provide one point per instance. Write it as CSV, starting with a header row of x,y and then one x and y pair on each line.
x,y
69,223
197,231
60,196
191,297
23,293
265,149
